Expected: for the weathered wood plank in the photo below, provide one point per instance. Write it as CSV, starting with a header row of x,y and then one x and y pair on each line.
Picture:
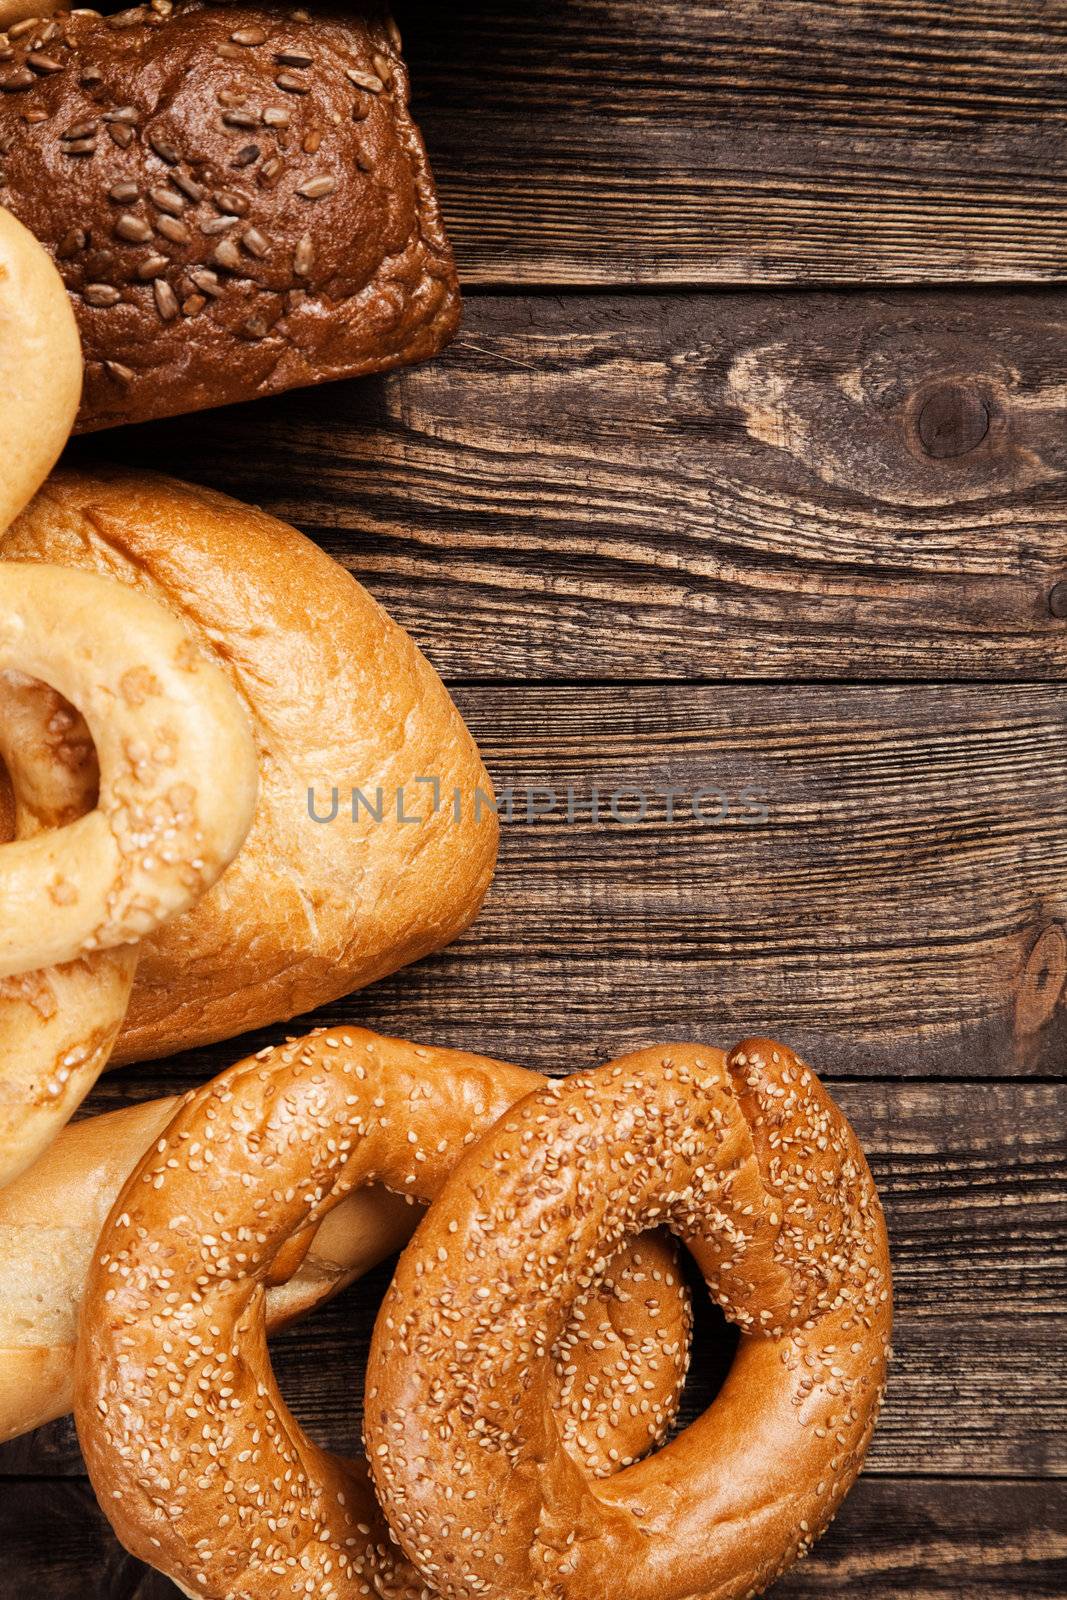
x,y
725,486
898,1540
611,142
901,911
974,1179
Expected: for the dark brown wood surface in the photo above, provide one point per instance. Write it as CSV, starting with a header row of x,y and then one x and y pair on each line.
x,y
806,544
698,486
941,1540
749,141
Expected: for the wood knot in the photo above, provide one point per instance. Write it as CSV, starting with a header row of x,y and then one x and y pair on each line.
x,y
1042,980
953,421
1057,601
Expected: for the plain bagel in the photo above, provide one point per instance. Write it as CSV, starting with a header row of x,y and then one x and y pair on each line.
x,y
339,697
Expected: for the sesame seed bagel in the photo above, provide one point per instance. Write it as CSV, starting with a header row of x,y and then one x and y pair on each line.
x,y
174,778
50,1220
40,365
194,1455
748,1160
340,699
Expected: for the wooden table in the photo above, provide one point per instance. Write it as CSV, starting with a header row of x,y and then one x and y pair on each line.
x,y
748,472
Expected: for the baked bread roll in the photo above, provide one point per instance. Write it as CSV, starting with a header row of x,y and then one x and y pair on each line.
x,y
340,699
50,1219
236,197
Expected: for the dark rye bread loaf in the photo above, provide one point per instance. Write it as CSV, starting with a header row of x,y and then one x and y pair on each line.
x,y
235,195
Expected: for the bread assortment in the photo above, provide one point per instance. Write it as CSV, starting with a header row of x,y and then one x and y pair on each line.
x,y
236,197
51,1220
339,698
167,804
233,790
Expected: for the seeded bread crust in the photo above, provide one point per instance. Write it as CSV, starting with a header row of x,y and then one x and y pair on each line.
x,y
236,197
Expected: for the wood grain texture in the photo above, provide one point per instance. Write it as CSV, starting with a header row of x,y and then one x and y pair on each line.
x,y
902,911
895,1541
613,142
831,486
974,1179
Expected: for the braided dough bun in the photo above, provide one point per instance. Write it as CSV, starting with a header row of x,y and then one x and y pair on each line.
x,y
751,1163
40,365
175,770
194,1456
338,696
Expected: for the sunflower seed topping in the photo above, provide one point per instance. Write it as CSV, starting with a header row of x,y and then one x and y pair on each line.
x,y
152,266
256,243
121,134
173,230
136,229
166,299
71,243
100,294
291,83
249,36
164,149
206,280
364,80
304,257
192,190
317,188
167,200
227,255
213,225
293,58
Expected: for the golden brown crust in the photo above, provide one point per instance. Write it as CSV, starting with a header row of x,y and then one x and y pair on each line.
x,y
339,697
50,1220
40,365
114,837
750,1162
195,1458
237,199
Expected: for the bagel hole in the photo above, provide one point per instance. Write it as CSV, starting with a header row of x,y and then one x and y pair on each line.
x,y
320,1362
715,1343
